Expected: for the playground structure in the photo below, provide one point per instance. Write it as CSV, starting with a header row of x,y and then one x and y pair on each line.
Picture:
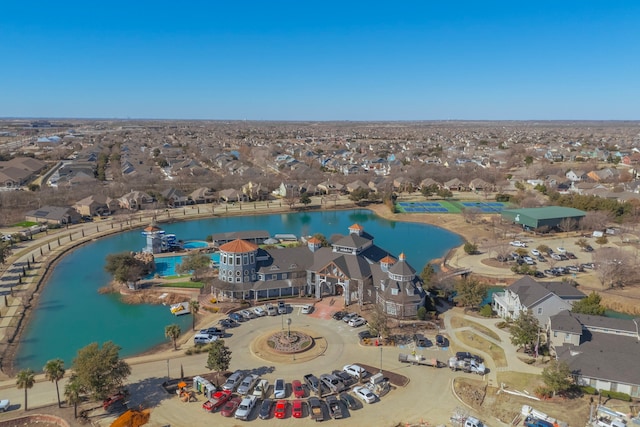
x,y
185,394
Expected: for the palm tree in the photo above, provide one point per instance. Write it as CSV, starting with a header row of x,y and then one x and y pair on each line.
x,y
194,307
72,392
172,332
25,379
54,372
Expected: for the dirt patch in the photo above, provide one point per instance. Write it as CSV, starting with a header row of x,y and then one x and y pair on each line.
x,y
394,378
506,407
458,322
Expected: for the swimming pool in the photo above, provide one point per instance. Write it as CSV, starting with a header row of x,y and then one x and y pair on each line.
x,y
166,266
195,244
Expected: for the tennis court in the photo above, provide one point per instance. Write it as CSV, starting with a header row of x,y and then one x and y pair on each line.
x,y
450,207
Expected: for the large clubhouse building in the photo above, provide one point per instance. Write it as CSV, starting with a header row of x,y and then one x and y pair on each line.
x,y
352,266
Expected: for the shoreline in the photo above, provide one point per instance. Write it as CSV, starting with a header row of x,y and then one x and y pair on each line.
x,y
10,350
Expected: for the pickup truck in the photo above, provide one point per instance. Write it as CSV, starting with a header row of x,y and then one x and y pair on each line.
x,y
315,409
312,382
335,410
467,366
216,400
534,422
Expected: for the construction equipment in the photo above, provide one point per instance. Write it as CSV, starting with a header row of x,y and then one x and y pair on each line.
x,y
132,418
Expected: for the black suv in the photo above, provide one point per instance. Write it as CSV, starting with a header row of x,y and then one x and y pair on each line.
x,y
420,340
441,341
465,355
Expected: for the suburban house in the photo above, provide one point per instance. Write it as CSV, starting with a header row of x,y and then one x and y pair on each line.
x,y
542,299
95,205
17,172
352,267
602,352
174,197
203,195
135,200
53,215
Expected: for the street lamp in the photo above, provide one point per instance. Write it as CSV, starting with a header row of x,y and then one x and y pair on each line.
x,y
168,376
289,326
380,357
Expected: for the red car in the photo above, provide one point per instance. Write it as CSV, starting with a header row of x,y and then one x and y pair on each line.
x,y
296,409
298,391
216,400
230,407
281,409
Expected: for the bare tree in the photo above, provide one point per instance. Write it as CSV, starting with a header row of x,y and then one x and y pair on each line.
x,y
567,224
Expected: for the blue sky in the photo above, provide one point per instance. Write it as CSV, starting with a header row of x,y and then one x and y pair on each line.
x,y
321,60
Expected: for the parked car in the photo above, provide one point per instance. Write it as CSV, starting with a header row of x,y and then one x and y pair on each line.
x,y
282,307
248,315
518,243
335,409
365,334
364,394
262,388
236,317
556,257
279,389
355,371
265,409
259,312
348,400
540,258
338,315
347,317
228,323
233,381
528,260
4,405
245,407
297,389
306,309
247,384
281,409
561,250
357,321
312,382
420,340
271,309
588,248
571,255
296,409
465,355
213,331
229,408
535,252
441,341
346,379
538,274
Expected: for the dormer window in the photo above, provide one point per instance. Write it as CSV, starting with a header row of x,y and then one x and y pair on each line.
x,y
394,291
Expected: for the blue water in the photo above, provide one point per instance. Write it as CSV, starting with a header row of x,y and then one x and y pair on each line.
x,y
72,314
166,266
195,244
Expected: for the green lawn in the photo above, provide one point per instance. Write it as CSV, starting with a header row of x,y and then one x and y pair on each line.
x,y
25,224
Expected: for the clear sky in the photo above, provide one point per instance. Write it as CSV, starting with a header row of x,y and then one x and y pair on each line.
x,y
321,60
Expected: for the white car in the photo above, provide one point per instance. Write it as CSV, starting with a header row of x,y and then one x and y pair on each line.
x,y
306,309
561,250
528,260
535,252
4,405
261,389
247,314
349,316
364,394
518,243
259,311
355,371
271,310
279,389
357,321
244,410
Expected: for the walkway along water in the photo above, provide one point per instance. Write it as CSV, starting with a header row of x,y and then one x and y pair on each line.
x,y
137,328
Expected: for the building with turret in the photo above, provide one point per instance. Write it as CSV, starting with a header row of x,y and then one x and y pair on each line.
x,y
352,267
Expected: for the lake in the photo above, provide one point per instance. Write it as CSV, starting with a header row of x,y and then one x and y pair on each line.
x,y
71,313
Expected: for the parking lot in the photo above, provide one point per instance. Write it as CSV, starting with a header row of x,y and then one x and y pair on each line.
x,y
343,347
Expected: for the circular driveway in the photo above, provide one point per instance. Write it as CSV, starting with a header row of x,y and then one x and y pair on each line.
x,y
427,397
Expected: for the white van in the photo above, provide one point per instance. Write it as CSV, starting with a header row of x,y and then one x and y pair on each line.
x,y
204,338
